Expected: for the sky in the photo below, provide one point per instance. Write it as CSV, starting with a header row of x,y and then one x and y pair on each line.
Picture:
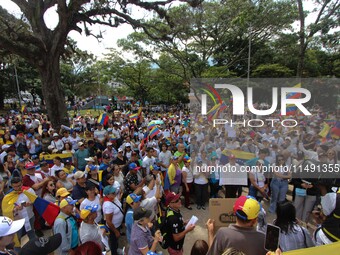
x,y
110,35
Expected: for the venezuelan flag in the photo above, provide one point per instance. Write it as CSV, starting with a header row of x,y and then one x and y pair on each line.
x,y
103,119
49,157
133,116
291,108
151,125
47,210
241,156
154,131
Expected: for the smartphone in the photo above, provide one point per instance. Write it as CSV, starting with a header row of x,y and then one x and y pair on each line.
x,y
272,238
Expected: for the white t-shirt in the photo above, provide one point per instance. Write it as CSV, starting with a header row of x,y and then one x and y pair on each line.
x,y
190,176
74,142
89,232
150,204
147,162
165,157
96,201
100,134
259,178
55,168
200,177
118,216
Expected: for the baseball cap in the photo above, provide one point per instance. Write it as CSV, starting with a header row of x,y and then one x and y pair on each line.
x,y
133,198
67,201
133,166
78,175
155,167
186,159
140,213
90,159
87,210
42,245
80,144
62,192
109,144
5,146
288,138
29,165
120,150
109,190
29,135
127,145
171,196
55,135
247,207
8,226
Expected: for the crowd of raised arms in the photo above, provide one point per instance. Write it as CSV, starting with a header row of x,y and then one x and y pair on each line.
x,y
116,183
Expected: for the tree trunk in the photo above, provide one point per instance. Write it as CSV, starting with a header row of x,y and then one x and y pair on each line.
x,y
52,93
302,49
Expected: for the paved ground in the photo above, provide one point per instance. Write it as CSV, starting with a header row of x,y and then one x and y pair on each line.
x,y
200,231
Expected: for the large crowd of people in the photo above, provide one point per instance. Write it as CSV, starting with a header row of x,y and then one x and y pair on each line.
x,y
128,176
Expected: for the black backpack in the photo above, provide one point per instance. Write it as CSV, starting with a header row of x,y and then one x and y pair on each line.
x,y
162,225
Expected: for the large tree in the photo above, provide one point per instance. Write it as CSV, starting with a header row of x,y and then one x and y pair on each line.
x,y
29,37
325,26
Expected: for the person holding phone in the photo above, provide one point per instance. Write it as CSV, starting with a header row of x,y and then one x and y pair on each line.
x,y
247,209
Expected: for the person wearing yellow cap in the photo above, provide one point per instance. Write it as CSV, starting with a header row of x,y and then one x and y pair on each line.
x,y
89,230
61,194
247,209
66,225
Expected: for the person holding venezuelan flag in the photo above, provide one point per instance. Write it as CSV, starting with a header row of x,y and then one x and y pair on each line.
x,y
16,205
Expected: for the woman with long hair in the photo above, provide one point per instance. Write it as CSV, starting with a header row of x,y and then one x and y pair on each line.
x,y
68,148
332,156
293,236
48,191
8,163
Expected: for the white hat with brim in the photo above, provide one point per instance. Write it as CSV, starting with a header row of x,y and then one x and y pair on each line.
x,y
90,159
8,226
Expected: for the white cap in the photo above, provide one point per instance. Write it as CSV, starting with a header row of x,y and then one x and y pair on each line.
x,y
55,135
120,149
5,146
78,175
89,159
8,226
109,144
127,145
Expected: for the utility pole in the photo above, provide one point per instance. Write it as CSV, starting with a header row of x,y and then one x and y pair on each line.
x,y
18,88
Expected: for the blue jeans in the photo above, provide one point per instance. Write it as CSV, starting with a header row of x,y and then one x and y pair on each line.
x,y
279,190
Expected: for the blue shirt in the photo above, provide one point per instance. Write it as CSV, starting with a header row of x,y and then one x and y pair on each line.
x,y
129,222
